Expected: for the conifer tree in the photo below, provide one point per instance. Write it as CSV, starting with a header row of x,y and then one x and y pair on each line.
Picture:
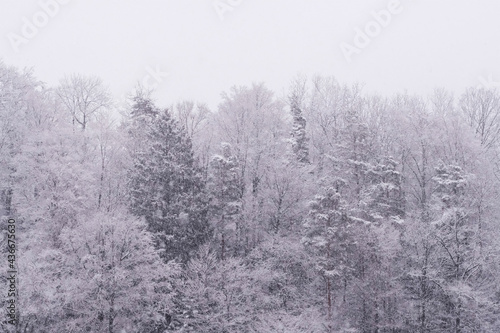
x,y
456,233
299,138
166,186
327,235
226,193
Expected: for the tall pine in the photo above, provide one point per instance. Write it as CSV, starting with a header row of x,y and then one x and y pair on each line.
x,y
166,186
327,236
299,138
226,192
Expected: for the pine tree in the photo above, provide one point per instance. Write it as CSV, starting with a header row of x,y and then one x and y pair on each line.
x,y
457,238
299,137
384,194
328,236
166,186
226,193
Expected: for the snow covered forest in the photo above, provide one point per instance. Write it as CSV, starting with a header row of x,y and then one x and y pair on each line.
x,y
323,209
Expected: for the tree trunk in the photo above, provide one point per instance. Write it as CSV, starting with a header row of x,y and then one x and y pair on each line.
x,y
111,318
329,297
222,247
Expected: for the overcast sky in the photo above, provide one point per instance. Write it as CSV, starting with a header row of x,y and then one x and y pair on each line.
x,y
207,46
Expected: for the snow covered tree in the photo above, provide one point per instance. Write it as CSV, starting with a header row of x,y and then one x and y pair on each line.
x,y
226,192
384,195
198,124
289,284
481,108
419,277
113,160
324,112
356,153
457,239
252,121
19,95
105,276
166,186
371,288
281,266
298,135
286,188
217,296
328,236
193,121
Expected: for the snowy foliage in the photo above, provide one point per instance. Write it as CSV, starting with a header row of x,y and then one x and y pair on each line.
x,y
381,216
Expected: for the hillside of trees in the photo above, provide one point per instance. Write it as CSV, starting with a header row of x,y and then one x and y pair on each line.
x,y
325,210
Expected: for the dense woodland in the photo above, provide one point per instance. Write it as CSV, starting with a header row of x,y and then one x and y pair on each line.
x,y
325,210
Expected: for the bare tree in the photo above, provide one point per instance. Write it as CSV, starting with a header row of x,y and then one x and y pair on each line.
x,y
84,97
190,118
482,111
196,121
442,102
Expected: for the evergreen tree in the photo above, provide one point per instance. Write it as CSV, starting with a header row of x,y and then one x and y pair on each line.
x,y
299,137
226,193
166,186
328,237
384,195
457,238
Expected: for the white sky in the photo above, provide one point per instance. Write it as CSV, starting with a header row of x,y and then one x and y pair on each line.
x,y
430,43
